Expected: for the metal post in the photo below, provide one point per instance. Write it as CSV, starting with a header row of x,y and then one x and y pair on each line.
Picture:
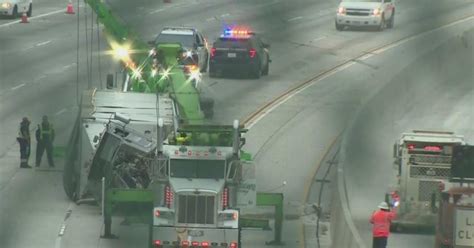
x,y
236,139
103,197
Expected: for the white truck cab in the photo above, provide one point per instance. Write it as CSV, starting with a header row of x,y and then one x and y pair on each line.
x,y
365,13
15,8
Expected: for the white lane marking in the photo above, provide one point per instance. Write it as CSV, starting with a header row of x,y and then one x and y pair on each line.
x,y
294,18
156,11
68,66
43,43
319,38
62,229
224,15
64,110
210,19
19,86
34,17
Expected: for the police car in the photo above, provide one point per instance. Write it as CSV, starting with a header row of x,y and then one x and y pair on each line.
x,y
15,8
365,13
239,50
195,51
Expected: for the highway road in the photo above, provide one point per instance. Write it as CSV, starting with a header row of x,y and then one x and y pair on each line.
x,y
39,66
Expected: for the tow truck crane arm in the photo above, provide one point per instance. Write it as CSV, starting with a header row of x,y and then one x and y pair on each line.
x,y
141,64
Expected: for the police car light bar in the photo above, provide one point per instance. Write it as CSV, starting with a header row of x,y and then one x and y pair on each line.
x,y
230,32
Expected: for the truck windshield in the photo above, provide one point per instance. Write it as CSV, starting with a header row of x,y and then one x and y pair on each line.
x,y
188,168
184,40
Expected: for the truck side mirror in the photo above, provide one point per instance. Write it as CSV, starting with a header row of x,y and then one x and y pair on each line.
x,y
396,150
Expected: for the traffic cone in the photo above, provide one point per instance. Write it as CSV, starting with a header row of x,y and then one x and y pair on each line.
x,y
70,9
24,18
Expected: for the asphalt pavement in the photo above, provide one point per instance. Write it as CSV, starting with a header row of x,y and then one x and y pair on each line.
x,y
38,67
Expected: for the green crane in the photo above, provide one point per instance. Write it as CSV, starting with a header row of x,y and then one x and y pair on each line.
x,y
152,70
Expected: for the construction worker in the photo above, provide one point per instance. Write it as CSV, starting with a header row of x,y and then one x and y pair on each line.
x,y
381,220
45,138
25,142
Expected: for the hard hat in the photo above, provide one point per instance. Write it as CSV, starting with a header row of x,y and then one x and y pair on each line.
x,y
384,205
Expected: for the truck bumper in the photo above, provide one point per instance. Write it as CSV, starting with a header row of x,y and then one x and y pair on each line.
x,y
358,21
171,237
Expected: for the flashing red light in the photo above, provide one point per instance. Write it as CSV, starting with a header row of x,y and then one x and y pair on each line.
x,y
184,243
190,153
252,53
233,245
213,52
157,213
157,243
205,244
168,196
411,147
225,198
433,148
195,243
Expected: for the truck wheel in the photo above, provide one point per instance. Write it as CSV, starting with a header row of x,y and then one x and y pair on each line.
x,y
267,68
30,10
256,73
391,23
339,27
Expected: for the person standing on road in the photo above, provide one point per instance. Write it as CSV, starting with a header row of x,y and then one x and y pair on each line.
x,y
45,138
381,220
25,142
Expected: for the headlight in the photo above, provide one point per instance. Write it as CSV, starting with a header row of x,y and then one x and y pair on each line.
x,y
6,5
376,12
341,11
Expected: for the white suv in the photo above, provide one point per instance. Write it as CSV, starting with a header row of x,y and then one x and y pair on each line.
x,y
365,13
15,8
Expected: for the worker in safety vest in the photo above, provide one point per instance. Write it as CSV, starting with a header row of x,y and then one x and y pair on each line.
x,y
25,142
381,220
45,138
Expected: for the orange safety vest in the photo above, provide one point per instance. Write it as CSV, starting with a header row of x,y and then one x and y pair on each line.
x,y
381,223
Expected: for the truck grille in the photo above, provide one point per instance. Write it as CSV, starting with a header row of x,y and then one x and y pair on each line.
x,y
429,172
358,12
426,189
196,209
434,160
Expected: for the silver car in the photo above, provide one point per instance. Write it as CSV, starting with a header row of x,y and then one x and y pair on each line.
x,y
365,13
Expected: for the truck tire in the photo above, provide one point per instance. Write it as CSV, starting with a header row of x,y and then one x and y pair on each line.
x,y
30,10
339,27
267,68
